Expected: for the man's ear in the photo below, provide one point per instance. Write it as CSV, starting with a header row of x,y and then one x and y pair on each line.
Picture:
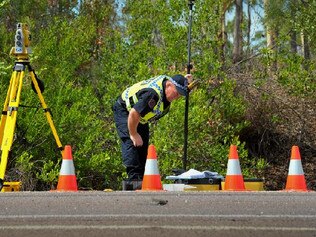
x,y
168,84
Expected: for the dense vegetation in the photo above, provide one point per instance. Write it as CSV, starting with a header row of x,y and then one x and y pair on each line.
x,y
257,86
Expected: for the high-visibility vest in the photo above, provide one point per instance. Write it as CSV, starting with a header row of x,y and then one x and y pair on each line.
x,y
130,98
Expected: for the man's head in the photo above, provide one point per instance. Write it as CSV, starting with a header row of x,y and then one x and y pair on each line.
x,y
181,84
175,87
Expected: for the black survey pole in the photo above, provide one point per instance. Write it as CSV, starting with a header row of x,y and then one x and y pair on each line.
x,y
186,112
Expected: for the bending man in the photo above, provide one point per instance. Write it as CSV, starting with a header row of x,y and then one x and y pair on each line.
x,y
139,104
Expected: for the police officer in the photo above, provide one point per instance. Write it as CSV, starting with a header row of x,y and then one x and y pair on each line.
x,y
139,104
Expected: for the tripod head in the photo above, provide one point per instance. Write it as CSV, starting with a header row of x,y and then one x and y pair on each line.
x,y
22,50
22,41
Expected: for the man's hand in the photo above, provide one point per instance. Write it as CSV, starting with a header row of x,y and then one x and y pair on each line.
x,y
132,123
137,140
191,84
189,77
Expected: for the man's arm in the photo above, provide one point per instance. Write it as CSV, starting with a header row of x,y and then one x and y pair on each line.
x,y
132,123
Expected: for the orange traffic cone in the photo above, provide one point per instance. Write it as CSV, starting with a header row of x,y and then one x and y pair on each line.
x,y
295,179
67,178
151,179
234,180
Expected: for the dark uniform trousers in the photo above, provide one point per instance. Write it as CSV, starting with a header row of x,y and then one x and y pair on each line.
x,y
134,158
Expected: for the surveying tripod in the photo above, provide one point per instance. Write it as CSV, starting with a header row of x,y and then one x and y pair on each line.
x,y
21,52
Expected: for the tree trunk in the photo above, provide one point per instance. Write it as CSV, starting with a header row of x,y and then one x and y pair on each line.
x,y
237,48
293,34
248,27
270,31
271,38
305,46
222,35
306,50
293,42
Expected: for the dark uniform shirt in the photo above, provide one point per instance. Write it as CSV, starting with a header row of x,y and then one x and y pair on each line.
x,y
147,100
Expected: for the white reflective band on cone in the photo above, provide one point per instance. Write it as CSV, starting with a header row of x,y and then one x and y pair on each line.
x,y
67,167
296,167
151,167
233,167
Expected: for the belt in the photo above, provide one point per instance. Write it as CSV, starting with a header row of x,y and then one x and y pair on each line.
x,y
121,102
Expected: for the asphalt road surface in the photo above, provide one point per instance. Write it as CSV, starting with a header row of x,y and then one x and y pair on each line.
x,y
214,213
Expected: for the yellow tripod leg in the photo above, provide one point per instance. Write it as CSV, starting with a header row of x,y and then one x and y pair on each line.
x,y
9,127
5,107
46,110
